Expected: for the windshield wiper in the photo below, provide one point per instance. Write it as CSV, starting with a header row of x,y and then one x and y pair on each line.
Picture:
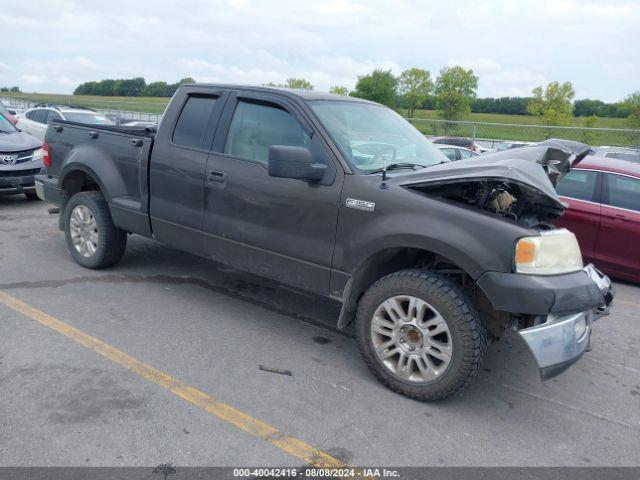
x,y
396,166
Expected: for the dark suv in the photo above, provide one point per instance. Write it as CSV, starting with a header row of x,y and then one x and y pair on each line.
x,y
20,159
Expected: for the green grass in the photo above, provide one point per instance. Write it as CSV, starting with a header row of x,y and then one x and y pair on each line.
x,y
134,104
523,129
526,128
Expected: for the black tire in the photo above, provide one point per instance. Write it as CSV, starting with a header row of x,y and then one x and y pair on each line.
x,y
31,195
468,334
111,240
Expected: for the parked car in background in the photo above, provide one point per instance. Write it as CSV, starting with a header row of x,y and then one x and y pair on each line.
x,y
8,113
509,145
20,159
621,153
457,141
34,120
454,152
603,195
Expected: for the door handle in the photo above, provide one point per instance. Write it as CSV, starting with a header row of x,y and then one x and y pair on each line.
x,y
215,176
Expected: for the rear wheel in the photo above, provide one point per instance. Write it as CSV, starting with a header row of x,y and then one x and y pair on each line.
x,y
420,334
92,238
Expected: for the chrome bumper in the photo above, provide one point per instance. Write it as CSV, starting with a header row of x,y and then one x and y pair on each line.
x,y
560,341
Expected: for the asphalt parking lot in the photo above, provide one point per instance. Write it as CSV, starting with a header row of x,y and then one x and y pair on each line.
x,y
208,328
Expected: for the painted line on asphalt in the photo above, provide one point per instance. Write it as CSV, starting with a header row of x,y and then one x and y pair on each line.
x,y
238,418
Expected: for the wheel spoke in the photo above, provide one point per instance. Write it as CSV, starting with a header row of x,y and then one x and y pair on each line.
x,y
388,353
394,309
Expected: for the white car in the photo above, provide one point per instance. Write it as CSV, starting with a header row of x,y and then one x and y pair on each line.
x,y
454,152
35,120
622,153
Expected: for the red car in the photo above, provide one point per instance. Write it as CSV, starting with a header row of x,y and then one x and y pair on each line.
x,y
8,114
603,195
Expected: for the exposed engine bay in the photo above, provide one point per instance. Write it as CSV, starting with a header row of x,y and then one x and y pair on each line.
x,y
517,202
517,184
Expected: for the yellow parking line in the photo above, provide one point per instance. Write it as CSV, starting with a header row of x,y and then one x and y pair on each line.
x,y
229,414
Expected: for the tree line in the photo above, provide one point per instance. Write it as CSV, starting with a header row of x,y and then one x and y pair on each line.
x,y
453,93
130,87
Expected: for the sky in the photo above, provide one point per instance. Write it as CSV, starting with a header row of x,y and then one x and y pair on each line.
x,y
511,45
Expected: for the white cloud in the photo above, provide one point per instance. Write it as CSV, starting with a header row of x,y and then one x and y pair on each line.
x,y
512,46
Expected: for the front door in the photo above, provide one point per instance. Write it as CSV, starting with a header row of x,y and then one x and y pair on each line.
x,y
279,228
580,190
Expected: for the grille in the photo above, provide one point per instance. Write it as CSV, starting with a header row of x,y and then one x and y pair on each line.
x,y
24,156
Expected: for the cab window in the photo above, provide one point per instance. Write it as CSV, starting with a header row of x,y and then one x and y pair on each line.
x,y
193,120
578,184
257,125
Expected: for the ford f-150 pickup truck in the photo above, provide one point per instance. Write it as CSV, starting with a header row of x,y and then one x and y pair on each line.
x,y
342,197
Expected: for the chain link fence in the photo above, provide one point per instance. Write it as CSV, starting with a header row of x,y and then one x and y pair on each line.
x,y
492,135
147,111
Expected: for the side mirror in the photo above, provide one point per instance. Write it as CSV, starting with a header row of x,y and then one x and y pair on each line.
x,y
294,162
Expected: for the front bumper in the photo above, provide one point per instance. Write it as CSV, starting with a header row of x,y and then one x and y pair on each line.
x,y
16,183
561,340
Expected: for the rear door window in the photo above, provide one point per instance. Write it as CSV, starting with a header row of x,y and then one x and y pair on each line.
x,y
578,184
256,126
193,120
624,192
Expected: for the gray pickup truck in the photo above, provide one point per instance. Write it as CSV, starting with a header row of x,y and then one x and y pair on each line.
x,y
344,198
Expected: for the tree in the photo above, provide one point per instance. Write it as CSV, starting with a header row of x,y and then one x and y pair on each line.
x,y
552,105
588,135
338,90
455,89
298,84
155,89
632,103
379,86
414,85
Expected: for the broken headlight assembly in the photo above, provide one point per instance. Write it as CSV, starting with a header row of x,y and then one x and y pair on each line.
x,y
551,253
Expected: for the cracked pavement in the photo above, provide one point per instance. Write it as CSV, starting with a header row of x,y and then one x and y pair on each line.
x,y
211,326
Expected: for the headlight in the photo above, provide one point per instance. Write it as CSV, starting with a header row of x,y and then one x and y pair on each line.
x,y
38,154
553,252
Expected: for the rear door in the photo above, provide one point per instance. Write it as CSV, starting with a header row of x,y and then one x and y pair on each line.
x,y
617,244
177,171
279,228
581,190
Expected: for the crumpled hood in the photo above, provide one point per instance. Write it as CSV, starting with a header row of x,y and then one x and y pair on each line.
x,y
17,142
539,166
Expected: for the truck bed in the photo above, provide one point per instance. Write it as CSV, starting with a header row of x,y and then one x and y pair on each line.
x,y
116,157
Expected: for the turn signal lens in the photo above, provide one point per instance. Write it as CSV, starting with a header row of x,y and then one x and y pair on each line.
x,y
552,252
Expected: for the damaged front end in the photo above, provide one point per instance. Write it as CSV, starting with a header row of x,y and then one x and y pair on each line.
x,y
510,184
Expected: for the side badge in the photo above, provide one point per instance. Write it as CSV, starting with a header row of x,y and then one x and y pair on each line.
x,y
360,204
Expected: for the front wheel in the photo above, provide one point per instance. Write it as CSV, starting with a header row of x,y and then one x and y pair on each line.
x,y
420,334
92,238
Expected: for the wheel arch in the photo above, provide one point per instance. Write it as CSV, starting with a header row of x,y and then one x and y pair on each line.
x,y
382,263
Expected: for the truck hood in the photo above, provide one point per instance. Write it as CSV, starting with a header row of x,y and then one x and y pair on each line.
x,y
517,183
17,142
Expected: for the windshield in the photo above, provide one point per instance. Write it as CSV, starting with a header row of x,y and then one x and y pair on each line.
x,y
372,136
5,125
88,117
